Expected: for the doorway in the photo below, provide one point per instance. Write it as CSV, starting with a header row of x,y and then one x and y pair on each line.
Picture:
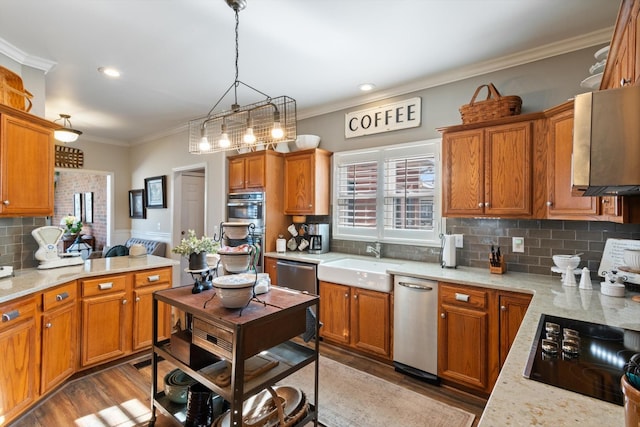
x,y
190,211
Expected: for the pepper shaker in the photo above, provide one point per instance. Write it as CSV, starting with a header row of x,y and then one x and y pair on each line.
x,y
585,279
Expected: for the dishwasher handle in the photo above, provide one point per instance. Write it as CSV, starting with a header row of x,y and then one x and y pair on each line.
x,y
296,265
414,286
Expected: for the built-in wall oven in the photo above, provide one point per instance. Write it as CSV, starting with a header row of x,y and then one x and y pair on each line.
x,y
249,207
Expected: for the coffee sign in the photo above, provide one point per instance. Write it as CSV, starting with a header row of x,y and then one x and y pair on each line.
x,y
399,115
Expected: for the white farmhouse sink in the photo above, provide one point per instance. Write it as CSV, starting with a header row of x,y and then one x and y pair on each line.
x,y
361,273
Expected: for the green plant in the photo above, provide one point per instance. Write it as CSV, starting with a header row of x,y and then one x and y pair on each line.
x,y
71,224
194,245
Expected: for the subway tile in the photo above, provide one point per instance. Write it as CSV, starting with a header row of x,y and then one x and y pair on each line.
x,y
576,225
563,235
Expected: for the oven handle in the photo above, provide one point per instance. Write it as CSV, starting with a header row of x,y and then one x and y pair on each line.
x,y
244,204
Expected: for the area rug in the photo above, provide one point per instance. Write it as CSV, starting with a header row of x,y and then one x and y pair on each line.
x,y
352,398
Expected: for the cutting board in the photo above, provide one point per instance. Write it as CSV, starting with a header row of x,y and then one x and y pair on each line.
x,y
613,258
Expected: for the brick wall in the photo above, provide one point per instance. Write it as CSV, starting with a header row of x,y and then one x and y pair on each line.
x,y
69,183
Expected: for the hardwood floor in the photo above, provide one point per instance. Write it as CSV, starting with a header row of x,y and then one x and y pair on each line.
x,y
120,395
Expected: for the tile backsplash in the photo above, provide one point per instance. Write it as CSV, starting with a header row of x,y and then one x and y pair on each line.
x,y
542,239
17,245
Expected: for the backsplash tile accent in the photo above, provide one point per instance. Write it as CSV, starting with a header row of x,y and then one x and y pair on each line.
x,y
542,240
17,245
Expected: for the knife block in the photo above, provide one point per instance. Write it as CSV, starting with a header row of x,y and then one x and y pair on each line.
x,y
498,269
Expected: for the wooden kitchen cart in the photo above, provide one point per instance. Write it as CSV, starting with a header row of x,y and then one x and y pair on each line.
x,y
266,327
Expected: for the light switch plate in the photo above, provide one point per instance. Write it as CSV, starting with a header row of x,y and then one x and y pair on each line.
x,y
459,240
517,244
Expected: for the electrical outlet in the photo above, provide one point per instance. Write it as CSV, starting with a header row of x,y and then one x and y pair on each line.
x,y
517,244
458,238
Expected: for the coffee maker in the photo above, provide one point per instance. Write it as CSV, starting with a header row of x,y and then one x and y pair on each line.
x,y
318,238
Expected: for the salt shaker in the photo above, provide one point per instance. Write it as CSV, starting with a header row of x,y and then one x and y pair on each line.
x,y
585,279
569,278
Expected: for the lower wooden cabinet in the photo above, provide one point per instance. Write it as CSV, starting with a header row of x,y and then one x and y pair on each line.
x,y
59,331
271,268
357,318
145,284
475,331
18,358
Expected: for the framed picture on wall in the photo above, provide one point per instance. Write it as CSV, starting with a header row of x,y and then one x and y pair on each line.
x,y
136,204
88,207
77,205
155,190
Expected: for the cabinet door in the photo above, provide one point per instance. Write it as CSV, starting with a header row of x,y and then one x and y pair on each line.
x,y
236,174
143,317
59,329
561,203
103,328
299,184
512,310
463,173
508,150
370,322
26,168
271,268
463,354
334,312
18,361
254,171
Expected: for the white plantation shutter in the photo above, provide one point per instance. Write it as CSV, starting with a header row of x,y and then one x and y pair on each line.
x,y
389,194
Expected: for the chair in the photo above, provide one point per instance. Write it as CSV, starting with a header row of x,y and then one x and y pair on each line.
x,y
118,250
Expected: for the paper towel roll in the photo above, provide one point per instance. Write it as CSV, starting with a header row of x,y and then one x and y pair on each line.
x,y
449,251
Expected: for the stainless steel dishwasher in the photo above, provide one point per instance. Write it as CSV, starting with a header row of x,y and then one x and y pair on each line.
x,y
415,318
297,275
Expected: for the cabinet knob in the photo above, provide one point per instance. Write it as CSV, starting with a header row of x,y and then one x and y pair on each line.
x,y
503,308
137,299
5,202
310,205
549,203
48,325
442,315
124,301
486,205
605,200
624,82
355,296
480,204
346,295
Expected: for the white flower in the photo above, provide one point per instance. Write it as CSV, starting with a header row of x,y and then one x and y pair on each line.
x,y
71,223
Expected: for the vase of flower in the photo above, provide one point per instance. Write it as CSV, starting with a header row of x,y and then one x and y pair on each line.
x,y
198,261
72,226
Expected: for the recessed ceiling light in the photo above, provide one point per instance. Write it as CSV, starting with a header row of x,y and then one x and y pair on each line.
x,y
366,87
108,71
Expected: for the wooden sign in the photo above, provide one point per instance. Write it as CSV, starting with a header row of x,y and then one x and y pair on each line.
x,y
399,115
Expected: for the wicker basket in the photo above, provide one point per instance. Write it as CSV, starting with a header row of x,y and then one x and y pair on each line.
x,y
12,93
494,107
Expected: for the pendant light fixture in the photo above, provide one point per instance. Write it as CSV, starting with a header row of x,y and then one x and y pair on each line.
x,y
66,134
243,128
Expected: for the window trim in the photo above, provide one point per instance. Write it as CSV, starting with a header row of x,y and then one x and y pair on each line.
x,y
381,154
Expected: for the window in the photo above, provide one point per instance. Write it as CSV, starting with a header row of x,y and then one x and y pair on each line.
x,y
388,194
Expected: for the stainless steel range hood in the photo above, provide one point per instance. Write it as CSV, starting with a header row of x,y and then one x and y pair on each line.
x,y
606,142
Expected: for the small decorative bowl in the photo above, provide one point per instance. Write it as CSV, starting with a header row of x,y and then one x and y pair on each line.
x,y
304,142
564,261
235,290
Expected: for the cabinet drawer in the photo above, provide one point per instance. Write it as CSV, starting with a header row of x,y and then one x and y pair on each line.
x,y
464,297
103,285
152,277
14,312
61,295
213,338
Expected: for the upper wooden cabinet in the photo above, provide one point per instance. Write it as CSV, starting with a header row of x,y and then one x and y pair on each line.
x,y
306,184
247,172
623,62
26,164
487,170
561,202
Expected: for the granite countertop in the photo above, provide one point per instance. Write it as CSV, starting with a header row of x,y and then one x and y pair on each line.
x,y
516,400
32,280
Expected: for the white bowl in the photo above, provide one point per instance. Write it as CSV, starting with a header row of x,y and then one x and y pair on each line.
x,y
236,230
632,258
304,142
564,261
236,290
235,262
612,289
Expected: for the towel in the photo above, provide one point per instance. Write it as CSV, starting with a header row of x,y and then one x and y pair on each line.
x,y
310,331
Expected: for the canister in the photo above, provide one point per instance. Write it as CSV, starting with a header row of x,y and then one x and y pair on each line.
x,y
281,245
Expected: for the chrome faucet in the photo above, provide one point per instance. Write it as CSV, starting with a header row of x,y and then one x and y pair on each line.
x,y
375,250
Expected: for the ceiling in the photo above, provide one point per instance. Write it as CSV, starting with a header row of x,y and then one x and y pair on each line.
x,y
177,56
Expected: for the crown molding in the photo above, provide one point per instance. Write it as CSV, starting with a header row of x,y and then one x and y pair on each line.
x,y
547,51
161,134
24,58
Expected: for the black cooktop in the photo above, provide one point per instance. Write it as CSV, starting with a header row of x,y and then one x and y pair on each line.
x,y
587,358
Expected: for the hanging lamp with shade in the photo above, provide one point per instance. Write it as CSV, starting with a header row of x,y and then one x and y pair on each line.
x,y
66,133
243,128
